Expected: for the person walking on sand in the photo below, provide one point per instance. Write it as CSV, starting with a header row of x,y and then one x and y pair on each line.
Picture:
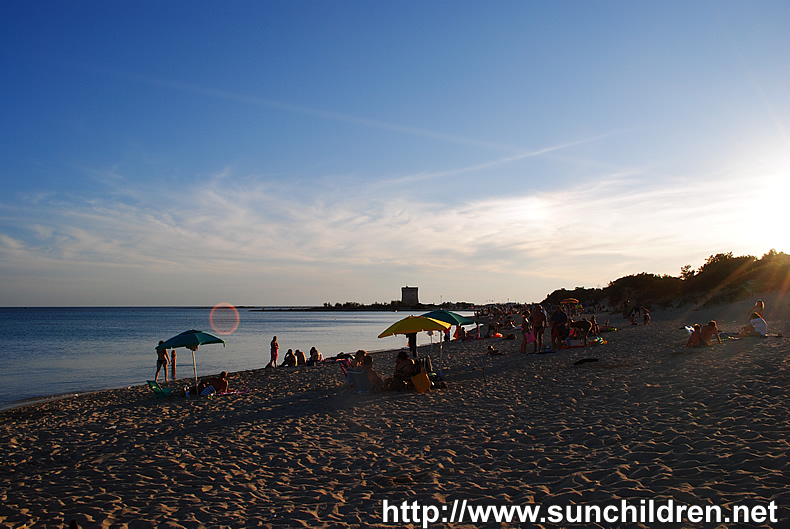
x,y
275,349
161,362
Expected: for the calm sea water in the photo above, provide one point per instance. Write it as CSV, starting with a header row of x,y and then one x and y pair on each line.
x,y
55,351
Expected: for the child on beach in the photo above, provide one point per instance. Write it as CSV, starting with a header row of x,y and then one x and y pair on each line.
x,y
709,331
695,339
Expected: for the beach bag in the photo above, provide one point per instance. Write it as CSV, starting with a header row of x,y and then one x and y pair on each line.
x,y
421,382
530,336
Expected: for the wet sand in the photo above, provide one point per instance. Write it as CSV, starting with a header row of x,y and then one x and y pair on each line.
x,y
650,419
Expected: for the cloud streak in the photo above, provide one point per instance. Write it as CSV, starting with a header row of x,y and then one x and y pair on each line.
x,y
250,230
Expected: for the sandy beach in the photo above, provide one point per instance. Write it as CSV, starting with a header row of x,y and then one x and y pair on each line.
x,y
649,420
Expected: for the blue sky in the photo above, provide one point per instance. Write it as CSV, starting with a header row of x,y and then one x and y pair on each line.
x,y
302,152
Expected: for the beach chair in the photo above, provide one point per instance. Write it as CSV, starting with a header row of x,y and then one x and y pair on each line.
x,y
158,390
359,379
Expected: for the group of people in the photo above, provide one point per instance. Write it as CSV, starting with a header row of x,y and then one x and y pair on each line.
x,y
212,385
162,360
536,320
757,326
293,358
702,335
405,369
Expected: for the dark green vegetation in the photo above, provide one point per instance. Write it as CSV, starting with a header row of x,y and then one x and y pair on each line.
x,y
722,279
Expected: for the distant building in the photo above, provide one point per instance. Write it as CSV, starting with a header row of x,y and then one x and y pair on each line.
x,y
408,296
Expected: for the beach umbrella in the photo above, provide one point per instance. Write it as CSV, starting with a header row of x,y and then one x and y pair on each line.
x,y
413,324
573,301
452,318
449,317
191,340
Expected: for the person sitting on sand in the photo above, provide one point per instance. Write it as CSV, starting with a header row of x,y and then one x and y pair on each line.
x,y
709,331
315,357
376,382
759,309
695,339
161,362
289,360
220,384
405,367
358,358
301,359
757,326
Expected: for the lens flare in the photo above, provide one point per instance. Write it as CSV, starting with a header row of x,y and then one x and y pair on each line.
x,y
224,318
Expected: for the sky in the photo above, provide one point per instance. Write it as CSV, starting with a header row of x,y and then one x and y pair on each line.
x,y
267,153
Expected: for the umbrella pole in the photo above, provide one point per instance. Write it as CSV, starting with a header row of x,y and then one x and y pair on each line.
x,y
194,364
441,358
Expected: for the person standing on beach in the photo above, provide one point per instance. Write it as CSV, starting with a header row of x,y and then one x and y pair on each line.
x,y
412,336
538,320
161,362
559,323
275,349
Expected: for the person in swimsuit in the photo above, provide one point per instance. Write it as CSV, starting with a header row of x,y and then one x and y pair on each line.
x,y
709,331
161,362
275,349
538,320
695,338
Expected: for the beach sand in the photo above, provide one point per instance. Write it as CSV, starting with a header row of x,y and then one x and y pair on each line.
x,y
650,420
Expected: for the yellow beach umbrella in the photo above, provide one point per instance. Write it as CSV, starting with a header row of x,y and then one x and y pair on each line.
x,y
414,324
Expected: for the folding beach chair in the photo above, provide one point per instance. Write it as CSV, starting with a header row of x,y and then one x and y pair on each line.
x,y
359,379
158,390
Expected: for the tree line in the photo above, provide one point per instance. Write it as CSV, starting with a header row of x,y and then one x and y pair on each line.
x,y
723,278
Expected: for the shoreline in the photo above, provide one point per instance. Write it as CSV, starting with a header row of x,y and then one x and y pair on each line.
x,y
727,314
650,419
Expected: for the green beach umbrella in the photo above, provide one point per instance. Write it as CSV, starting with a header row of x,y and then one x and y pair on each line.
x,y
449,317
191,340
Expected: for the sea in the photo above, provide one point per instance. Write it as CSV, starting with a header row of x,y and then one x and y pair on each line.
x,y
48,352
